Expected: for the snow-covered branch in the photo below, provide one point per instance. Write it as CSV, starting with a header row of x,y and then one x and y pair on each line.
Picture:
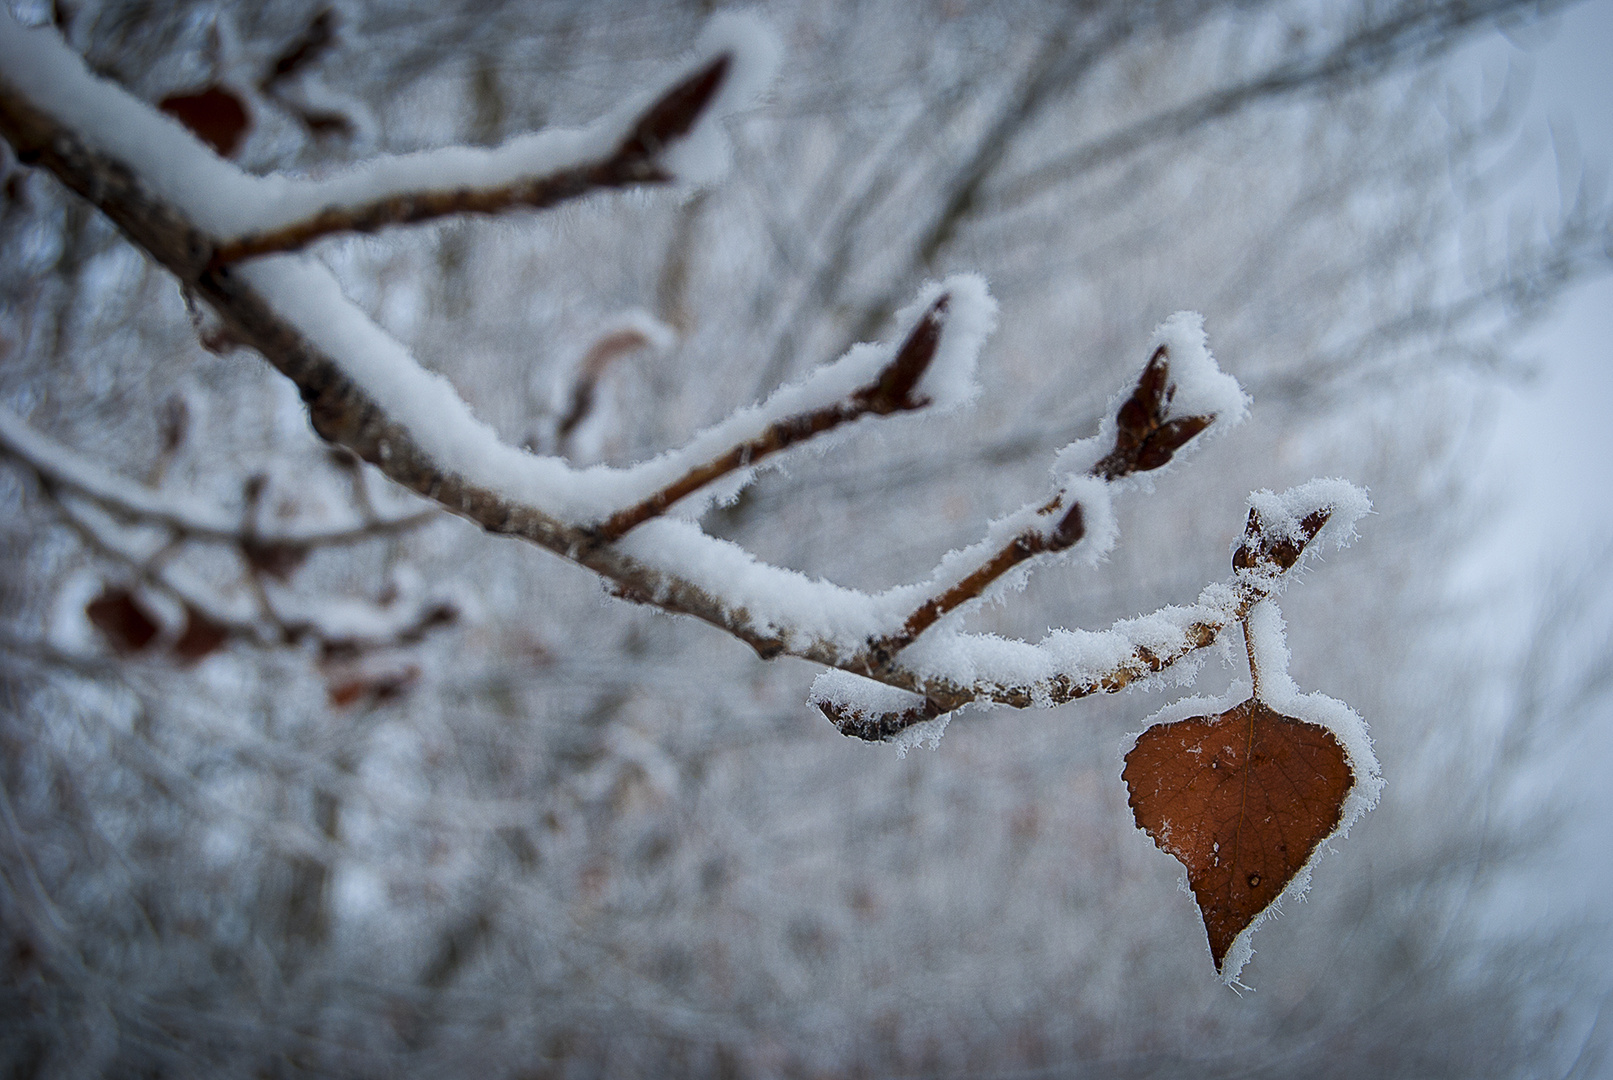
x,y
205,221
192,615
547,172
1071,664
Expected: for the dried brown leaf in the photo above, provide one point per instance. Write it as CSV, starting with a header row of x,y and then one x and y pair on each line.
x,y
214,115
675,114
122,620
1242,798
202,636
372,688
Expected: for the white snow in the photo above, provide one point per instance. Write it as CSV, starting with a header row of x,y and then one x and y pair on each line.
x,y
949,381
180,510
925,733
442,424
853,693
75,470
1081,656
1202,388
776,601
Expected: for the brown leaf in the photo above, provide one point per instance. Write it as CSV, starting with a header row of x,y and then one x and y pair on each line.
x,y
202,637
122,621
214,115
1163,442
894,389
1145,408
856,722
1242,799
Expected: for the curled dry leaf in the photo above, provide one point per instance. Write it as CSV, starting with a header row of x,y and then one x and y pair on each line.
x,y
122,620
873,726
201,637
675,114
215,115
1242,798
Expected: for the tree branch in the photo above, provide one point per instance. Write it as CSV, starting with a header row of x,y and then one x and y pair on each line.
x,y
364,392
892,391
634,162
1280,531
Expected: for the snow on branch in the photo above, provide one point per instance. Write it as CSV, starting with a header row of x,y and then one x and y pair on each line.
x,y
673,137
201,616
946,671
902,659
929,367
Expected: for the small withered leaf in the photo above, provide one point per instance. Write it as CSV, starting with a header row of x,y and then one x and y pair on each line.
x,y
1069,531
214,115
1154,391
1279,552
1242,799
372,688
1163,442
201,637
1175,434
122,620
1143,411
857,723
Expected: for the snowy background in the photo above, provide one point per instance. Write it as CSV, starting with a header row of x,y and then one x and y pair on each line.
x,y
435,799
1555,471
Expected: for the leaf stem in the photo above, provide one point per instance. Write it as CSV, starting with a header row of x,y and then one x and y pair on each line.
x,y
1254,666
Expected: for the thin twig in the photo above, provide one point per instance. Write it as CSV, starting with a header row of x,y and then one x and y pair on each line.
x,y
1144,440
1066,534
1260,566
634,162
891,392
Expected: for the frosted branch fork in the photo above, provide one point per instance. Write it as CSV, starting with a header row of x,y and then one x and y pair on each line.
x,y
182,205
892,391
1187,630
